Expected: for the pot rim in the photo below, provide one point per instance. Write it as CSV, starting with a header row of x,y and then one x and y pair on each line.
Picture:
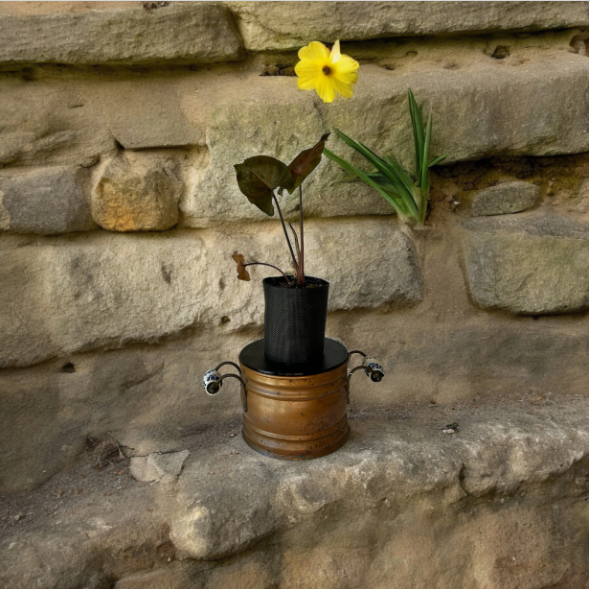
x,y
273,281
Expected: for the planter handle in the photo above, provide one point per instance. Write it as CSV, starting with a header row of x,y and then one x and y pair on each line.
x,y
370,365
213,381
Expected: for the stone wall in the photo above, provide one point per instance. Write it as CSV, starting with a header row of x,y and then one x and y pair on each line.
x,y
119,209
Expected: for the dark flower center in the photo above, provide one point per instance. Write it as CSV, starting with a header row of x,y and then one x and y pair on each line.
x,y
326,70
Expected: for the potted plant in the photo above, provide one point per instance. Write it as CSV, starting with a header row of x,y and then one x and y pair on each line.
x,y
296,304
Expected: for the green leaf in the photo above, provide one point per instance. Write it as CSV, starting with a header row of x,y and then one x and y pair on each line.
x,y
398,179
306,162
437,160
424,184
365,178
418,129
259,176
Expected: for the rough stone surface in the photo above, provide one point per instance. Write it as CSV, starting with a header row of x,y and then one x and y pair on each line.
x,y
158,467
196,33
147,113
514,109
289,25
375,511
149,398
533,265
504,198
96,290
136,194
46,201
50,122
377,468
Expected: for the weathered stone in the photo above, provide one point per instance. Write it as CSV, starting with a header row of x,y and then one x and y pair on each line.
x,y
195,33
174,577
147,113
243,499
504,198
28,8
50,122
289,25
244,117
148,398
46,201
105,290
136,194
372,513
533,265
158,467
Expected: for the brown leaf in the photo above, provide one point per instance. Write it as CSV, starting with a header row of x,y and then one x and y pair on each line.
x,y
306,162
242,272
259,176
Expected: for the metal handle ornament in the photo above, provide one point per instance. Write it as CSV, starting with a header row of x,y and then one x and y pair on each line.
x,y
370,365
213,381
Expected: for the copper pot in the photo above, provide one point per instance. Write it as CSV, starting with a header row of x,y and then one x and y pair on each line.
x,y
296,417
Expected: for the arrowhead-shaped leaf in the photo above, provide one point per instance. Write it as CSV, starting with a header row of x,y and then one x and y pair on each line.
x,y
242,272
259,176
306,162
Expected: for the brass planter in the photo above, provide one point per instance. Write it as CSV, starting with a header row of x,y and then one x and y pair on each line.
x,y
296,418
294,411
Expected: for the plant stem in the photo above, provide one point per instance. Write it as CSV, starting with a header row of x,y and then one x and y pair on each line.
x,y
301,273
286,235
296,239
269,265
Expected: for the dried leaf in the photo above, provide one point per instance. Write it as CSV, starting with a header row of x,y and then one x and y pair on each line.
x,y
242,272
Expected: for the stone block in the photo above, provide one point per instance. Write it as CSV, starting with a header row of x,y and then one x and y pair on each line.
x,y
46,201
534,265
492,110
105,290
51,122
136,194
148,113
505,198
182,33
290,25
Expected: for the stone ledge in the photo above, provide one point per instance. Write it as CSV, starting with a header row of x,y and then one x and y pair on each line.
x,y
200,32
399,493
289,25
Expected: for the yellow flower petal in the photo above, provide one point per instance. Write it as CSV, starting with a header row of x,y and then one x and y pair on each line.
x,y
346,78
342,87
325,89
315,51
307,83
308,68
335,53
345,65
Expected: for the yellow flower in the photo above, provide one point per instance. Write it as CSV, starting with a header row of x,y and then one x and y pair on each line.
x,y
326,71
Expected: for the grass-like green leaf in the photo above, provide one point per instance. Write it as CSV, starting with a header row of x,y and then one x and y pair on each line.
x,y
408,195
400,182
418,129
365,178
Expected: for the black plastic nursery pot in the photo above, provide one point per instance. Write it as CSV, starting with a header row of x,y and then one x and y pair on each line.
x,y
295,320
